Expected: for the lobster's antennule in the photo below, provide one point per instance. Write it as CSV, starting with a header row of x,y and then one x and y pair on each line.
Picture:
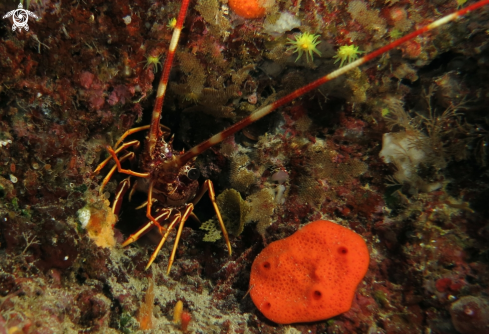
x,y
216,139
155,131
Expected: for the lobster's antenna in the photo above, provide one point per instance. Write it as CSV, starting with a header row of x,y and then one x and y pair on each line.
x,y
196,150
154,131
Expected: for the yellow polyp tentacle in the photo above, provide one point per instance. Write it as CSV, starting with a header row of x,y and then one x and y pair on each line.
x,y
305,43
153,60
348,53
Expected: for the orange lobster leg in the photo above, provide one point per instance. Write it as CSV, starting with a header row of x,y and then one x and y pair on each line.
x,y
107,178
119,194
133,190
209,186
134,143
125,171
190,208
177,218
149,204
130,132
141,128
146,228
144,204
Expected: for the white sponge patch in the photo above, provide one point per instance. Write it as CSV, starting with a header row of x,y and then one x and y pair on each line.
x,y
84,216
286,22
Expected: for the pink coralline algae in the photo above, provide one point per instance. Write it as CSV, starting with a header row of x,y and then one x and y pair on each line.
x,y
120,94
86,79
93,90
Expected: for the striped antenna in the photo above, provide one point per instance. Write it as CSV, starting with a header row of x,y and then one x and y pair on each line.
x,y
155,132
216,139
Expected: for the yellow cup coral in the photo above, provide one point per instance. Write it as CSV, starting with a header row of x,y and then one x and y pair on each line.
x,y
304,43
347,53
153,61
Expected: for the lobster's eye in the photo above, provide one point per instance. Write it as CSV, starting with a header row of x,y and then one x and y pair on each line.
x,y
193,174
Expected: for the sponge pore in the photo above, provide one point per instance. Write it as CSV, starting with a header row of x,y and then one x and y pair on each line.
x,y
311,275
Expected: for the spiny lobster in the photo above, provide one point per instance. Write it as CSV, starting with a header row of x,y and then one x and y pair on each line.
x,y
170,178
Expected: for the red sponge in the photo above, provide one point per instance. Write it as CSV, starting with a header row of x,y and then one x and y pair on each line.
x,y
311,275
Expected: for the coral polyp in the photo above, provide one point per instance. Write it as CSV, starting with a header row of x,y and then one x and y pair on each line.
x,y
347,53
172,23
153,61
305,43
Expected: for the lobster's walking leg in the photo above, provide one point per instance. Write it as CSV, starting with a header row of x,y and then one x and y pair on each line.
x,y
134,143
133,190
126,171
188,210
144,204
209,186
130,132
175,220
107,178
150,203
133,237
141,128
124,185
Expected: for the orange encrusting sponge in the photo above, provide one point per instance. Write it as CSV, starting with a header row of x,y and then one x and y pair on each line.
x,y
249,9
311,275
